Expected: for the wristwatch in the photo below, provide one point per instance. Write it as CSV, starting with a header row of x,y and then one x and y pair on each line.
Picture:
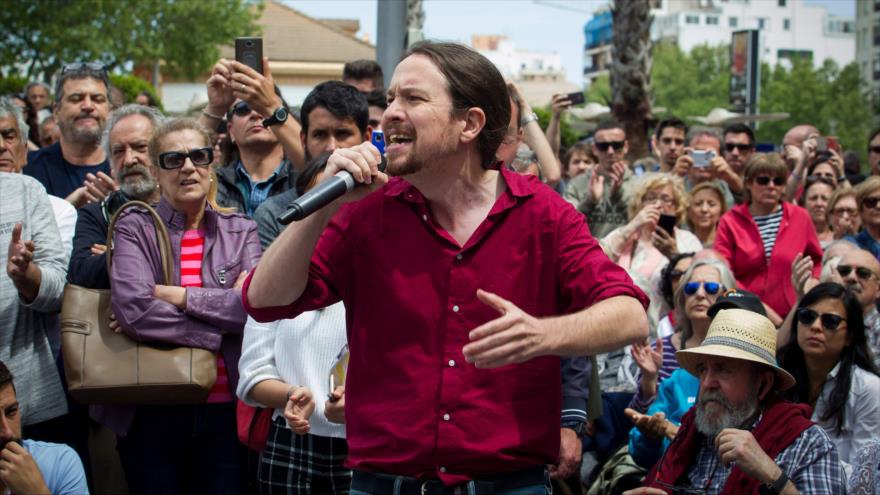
x,y
278,117
527,119
579,427
776,487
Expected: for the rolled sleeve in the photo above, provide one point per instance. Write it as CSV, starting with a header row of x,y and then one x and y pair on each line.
x,y
257,362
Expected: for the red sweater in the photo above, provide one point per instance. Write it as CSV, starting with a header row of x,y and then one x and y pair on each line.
x,y
738,240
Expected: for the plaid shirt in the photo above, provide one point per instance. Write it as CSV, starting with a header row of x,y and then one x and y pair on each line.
x,y
872,330
811,463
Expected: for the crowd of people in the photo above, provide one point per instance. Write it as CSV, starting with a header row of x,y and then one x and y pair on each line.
x,y
490,313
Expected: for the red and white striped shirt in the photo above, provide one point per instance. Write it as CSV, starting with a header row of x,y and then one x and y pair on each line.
x,y
191,251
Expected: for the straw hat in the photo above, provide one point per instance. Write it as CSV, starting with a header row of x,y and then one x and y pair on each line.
x,y
738,334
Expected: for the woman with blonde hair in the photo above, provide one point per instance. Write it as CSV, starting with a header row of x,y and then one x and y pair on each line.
x,y
642,247
212,250
706,207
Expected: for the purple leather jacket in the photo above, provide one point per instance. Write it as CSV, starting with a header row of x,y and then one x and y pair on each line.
x,y
214,317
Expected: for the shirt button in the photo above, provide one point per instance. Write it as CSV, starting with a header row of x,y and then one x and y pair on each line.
x,y
446,417
425,217
458,257
455,308
451,362
442,469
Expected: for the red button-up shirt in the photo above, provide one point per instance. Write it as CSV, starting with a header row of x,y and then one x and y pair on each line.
x,y
414,407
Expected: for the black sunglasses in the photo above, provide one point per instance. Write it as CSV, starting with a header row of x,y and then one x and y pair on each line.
x,y
603,146
870,202
873,149
736,146
80,66
861,272
763,180
807,316
240,109
200,157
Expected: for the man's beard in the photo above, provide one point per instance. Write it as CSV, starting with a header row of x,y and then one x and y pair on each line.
x,y
141,188
81,135
733,416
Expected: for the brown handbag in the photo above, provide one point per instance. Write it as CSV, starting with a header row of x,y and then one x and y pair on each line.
x,y
105,367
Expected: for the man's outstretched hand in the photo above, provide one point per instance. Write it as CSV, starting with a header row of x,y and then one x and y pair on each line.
x,y
513,337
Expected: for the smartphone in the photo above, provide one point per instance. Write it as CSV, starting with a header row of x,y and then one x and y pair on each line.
x,y
576,98
821,143
378,140
667,223
702,158
833,143
249,51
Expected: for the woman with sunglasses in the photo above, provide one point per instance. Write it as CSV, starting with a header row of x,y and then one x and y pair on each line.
x,y
642,247
827,353
843,213
663,388
670,279
868,199
184,448
761,237
817,194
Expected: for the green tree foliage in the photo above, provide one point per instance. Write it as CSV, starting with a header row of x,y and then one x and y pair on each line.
x,y
132,85
39,36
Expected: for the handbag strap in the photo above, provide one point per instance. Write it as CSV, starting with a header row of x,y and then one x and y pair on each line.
x,y
162,238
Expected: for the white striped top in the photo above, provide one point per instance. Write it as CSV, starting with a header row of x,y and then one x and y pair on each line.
x,y
768,227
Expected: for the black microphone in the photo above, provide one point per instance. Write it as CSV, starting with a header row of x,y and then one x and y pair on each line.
x,y
326,192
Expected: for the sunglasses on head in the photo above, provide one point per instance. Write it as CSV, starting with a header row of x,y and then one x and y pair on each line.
x,y
81,66
737,146
861,272
603,146
807,316
200,157
764,180
711,288
870,202
240,109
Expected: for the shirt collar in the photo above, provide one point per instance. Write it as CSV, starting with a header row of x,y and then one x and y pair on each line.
x,y
518,185
243,173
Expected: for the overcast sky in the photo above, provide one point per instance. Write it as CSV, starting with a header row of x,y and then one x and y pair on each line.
x,y
535,25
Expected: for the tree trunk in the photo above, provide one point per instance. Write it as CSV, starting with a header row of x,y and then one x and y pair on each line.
x,y
631,72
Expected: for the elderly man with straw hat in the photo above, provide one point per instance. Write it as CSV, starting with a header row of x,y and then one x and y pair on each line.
x,y
740,437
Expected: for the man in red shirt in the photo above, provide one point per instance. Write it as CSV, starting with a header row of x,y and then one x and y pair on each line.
x,y
462,282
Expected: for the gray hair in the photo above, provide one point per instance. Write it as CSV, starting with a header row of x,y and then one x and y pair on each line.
x,y
153,115
81,73
681,319
7,108
711,132
34,84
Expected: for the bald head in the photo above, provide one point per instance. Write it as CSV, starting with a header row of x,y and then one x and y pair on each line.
x,y
859,270
798,134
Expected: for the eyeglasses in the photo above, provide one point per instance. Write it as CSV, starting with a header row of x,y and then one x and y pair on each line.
x,y
839,212
680,489
663,198
81,66
870,202
668,140
603,146
711,288
735,146
873,149
240,109
830,321
861,272
763,180
200,157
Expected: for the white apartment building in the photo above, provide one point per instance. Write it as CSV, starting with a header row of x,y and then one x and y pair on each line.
x,y
868,44
789,28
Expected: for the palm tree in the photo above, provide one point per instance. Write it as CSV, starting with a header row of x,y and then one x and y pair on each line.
x,y
631,71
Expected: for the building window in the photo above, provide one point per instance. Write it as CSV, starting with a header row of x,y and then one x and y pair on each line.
x,y
692,19
733,22
781,3
762,23
711,20
786,24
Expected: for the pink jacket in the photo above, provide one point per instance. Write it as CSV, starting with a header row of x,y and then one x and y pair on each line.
x,y
738,240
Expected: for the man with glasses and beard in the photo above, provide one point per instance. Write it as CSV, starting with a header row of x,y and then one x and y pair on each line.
x,y
28,466
76,168
265,146
129,129
599,194
859,271
740,437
